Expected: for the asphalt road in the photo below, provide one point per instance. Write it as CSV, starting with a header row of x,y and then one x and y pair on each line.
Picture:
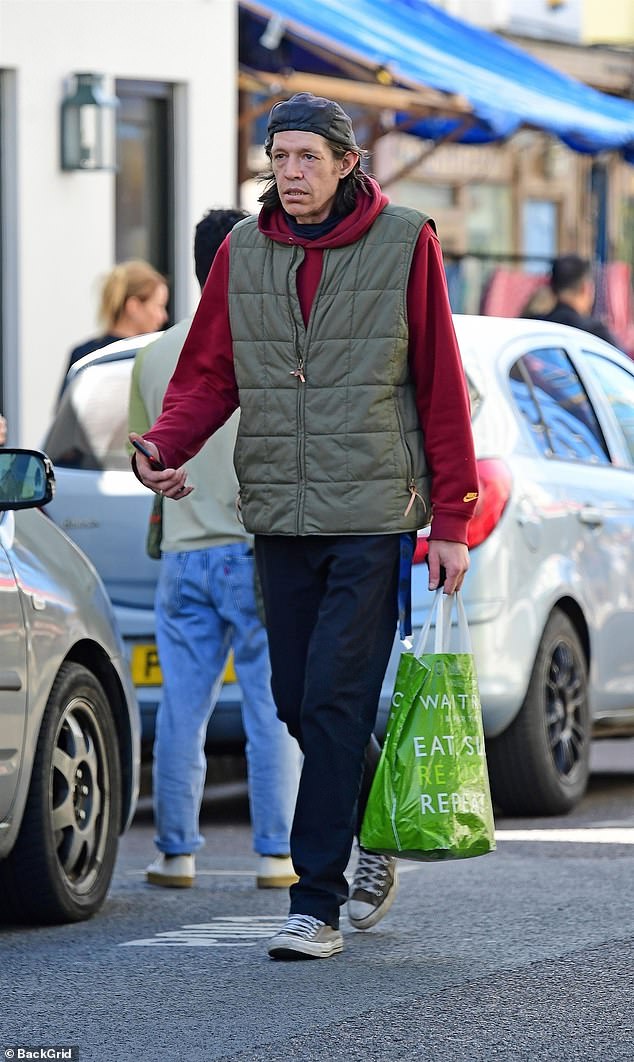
x,y
522,955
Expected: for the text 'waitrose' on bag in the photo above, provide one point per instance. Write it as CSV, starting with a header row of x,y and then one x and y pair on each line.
x,y
445,702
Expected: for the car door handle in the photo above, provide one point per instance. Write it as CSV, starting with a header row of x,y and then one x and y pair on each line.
x,y
10,680
592,517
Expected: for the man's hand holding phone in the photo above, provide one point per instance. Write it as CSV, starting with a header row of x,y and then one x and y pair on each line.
x,y
169,482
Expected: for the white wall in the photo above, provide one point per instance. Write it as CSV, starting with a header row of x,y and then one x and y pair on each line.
x,y
60,238
532,18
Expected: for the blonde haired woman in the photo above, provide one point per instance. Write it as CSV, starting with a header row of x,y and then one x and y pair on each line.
x,y
133,301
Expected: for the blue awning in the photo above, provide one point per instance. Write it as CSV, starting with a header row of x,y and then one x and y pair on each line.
x,y
420,45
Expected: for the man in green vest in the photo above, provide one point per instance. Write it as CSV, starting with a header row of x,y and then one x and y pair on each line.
x,y
326,320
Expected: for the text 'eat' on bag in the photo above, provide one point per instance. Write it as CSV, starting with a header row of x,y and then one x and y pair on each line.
x,y
430,796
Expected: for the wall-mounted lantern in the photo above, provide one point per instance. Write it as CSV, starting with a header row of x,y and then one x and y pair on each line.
x,y
88,126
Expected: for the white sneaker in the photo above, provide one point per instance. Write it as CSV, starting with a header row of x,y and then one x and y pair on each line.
x,y
373,889
305,937
275,872
172,872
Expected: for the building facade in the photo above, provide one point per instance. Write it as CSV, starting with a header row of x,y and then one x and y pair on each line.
x,y
581,22
171,66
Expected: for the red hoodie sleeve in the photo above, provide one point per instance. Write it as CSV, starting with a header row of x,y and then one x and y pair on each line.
x,y
441,393
202,393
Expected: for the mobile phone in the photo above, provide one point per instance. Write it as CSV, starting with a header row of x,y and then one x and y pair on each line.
x,y
154,461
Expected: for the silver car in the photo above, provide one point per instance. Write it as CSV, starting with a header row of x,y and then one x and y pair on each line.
x,y
103,507
69,725
550,593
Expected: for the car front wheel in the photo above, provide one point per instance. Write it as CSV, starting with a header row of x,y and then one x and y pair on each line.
x,y
61,865
540,764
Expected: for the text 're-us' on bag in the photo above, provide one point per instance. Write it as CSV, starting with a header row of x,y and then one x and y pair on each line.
x,y
430,796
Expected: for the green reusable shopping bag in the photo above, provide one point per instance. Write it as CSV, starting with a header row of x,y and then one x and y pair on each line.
x,y
430,797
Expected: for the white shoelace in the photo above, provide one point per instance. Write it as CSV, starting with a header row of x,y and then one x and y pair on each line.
x,y
304,926
371,873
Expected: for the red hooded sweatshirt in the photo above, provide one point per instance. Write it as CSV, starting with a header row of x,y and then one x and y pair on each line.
x,y
203,393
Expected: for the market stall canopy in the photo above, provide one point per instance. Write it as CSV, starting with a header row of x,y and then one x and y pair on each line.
x,y
442,77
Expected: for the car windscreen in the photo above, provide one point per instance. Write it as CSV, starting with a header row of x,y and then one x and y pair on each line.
x,y
90,428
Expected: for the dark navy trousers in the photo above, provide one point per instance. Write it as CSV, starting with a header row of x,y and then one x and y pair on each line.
x,y
331,613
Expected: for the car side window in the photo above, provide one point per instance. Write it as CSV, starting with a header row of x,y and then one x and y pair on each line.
x,y
551,397
618,386
90,429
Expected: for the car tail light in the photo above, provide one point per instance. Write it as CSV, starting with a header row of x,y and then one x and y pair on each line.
x,y
495,482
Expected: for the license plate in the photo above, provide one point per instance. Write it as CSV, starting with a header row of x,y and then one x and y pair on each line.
x,y
146,670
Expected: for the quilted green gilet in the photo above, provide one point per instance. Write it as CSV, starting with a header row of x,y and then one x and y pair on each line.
x,y
329,439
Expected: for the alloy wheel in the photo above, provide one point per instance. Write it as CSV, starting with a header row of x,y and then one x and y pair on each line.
x,y
564,701
79,794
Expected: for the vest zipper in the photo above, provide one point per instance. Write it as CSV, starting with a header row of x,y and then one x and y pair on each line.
x,y
406,449
301,441
300,375
413,495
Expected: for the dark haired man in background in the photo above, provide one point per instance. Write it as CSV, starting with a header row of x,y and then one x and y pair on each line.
x,y
326,319
573,286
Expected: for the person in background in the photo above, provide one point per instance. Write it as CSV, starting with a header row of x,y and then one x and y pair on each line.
x,y
326,319
574,292
206,605
3,430
133,301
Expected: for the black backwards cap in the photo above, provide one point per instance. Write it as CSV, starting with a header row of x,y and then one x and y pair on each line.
x,y
312,114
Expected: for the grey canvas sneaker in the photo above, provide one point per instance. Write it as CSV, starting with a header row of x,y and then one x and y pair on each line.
x,y
373,889
305,937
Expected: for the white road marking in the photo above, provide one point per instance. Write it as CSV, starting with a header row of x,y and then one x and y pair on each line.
x,y
579,835
403,865
204,873
240,931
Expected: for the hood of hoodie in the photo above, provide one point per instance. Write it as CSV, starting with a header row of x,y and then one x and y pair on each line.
x,y
370,202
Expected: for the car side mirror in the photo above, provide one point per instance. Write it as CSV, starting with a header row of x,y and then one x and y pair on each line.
x,y
27,479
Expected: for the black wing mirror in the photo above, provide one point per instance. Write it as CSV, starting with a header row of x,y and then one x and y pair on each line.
x,y
27,479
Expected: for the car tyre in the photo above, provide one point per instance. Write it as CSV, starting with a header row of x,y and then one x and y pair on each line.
x,y
540,764
62,863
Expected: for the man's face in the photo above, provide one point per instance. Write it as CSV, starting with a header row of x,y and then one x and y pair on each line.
x,y
307,174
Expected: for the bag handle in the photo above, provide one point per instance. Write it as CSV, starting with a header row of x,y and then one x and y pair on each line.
x,y
440,614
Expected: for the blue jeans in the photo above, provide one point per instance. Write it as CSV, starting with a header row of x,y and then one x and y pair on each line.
x,y
205,605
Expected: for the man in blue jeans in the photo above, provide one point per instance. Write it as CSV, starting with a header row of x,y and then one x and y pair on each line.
x,y
205,606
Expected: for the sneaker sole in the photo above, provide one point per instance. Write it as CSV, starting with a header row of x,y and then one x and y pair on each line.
x,y
169,882
282,882
291,949
379,912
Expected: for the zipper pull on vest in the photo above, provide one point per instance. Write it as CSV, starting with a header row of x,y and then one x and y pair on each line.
x,y
413,494
299,372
